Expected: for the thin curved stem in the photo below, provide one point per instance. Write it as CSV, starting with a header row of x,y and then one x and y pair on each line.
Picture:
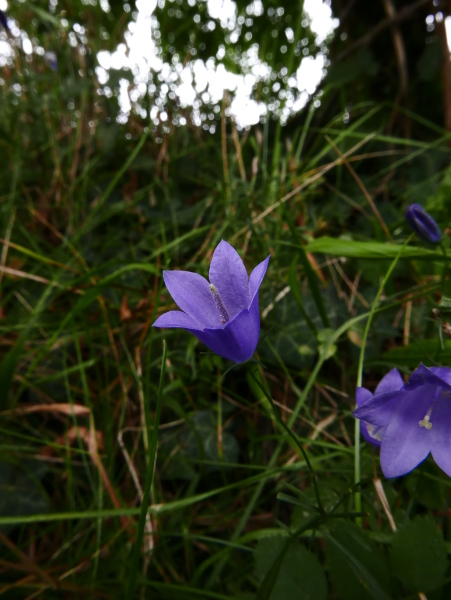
x,y
357,494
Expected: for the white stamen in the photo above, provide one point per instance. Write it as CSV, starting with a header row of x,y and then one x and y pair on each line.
x,y
219,304
425,422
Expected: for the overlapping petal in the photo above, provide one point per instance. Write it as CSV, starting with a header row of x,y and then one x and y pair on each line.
x,y
256,277
237,339
177,319
441,430
390,382
424,375
379,409
191,292
443,373
369,432
405,444
229,275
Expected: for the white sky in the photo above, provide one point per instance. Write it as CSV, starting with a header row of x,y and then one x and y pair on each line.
x,y
208,79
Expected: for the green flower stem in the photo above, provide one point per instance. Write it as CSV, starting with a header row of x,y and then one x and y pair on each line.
x,y
357,493
148,483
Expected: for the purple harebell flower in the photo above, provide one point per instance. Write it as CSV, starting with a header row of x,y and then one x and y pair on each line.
x,y
223,314
391,382
415,420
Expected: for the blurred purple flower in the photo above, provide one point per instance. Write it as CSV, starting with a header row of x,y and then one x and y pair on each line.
x,y
391,382
423,224
224,313
415,420
51,59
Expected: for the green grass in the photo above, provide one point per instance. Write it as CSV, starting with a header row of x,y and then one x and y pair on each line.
x,y
83,255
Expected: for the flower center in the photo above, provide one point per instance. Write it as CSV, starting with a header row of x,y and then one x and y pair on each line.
x,y
219,304
426,421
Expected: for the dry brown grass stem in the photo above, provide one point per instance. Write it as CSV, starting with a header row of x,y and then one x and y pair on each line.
x,y
308,181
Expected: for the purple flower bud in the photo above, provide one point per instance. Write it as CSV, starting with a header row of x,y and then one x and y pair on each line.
x,y
423,224
414,420
223,314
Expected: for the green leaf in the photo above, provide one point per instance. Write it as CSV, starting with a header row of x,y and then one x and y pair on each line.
x,y
357,568
426,351
418,555
299,576
374,250
204,430
427,490
326,345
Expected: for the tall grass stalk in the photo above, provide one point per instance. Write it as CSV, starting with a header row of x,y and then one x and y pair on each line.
x,y
148,482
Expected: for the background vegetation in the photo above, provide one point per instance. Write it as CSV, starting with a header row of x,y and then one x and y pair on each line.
x,y
94,207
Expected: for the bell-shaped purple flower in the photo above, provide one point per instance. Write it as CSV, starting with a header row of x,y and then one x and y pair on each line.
x,y
392,382
416,421
224,313
423,224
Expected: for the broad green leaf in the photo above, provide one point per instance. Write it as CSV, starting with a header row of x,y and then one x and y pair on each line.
x,y
357,568
418,555
299,576
426,490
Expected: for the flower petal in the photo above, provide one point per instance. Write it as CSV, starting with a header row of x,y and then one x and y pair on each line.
x,y
422,376
192,294
405,444
369,431
236,340
176,318
372,433
379,409
256,277
443,373
229,275
390,382
441,430
362,395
